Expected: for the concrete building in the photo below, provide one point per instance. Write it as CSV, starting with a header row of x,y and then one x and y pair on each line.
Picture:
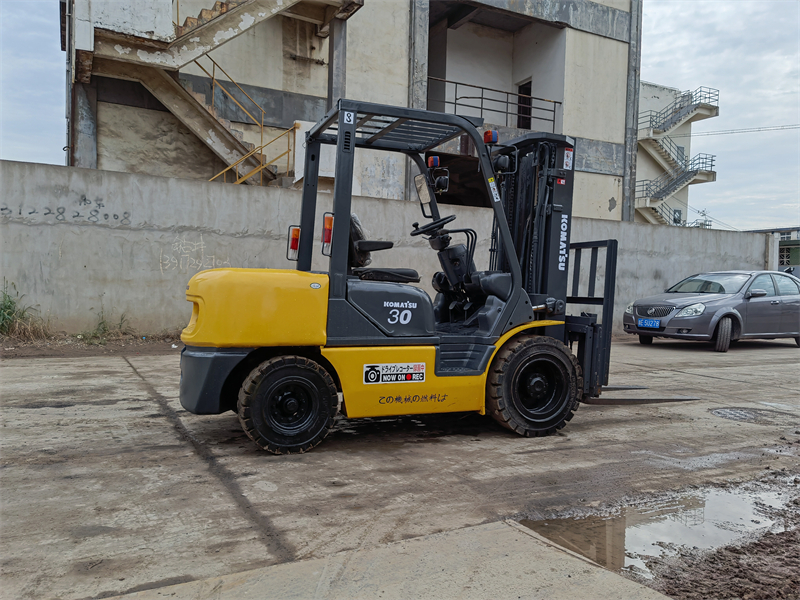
x,y
788,246
152,90
665,167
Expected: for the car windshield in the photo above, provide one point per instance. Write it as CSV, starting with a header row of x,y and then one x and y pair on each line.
x,y
710,283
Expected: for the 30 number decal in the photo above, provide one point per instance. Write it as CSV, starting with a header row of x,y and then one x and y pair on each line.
x,y
403,317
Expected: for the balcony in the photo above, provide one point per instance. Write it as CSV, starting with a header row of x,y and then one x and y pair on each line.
x,y
496,107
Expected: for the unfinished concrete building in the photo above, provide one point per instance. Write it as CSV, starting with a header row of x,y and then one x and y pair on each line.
x,y
223,91
665,167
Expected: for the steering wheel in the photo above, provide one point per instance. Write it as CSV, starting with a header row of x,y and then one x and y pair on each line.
x,y
433,226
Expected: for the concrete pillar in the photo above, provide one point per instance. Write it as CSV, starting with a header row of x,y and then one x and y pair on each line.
x,y
419,22
337,61
84,126
632,112
418,53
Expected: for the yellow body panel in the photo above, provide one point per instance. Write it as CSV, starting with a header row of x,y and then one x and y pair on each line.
x,y
252,308
433,395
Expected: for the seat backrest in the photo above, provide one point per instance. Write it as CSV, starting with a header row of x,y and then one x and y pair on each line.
x,y
356,258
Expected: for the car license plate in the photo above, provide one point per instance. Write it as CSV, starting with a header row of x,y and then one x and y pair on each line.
x,y
651,323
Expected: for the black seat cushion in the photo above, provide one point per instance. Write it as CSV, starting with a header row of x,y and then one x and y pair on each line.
x,y
395,275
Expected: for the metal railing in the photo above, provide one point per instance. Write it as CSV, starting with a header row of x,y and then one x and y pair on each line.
x,y
675,152
670,215
688,101
291,132
516,110
675,179
256,152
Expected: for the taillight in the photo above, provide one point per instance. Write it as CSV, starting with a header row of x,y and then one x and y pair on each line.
x,y
327,233
293,249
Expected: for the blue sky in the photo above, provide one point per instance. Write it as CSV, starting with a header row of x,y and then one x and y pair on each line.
x,y
749,50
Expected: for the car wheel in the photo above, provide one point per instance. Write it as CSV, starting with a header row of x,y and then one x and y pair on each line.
x,y
797,341
646,339
723,339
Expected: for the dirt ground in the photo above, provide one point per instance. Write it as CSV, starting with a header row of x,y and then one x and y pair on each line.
x,y
70,346
109,486
764,567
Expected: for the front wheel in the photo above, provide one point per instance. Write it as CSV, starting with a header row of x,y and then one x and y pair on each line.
x,y
723,339
287,404
533,386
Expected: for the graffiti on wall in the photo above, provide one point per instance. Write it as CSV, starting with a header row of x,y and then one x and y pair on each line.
x,y
85,211
186,256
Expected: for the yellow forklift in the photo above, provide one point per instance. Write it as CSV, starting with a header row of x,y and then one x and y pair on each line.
x,y
277,346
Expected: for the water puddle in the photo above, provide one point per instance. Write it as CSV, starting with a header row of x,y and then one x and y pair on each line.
x,y
701,519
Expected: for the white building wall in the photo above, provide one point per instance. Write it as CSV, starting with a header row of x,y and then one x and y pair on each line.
x,y
595,87
481,56
151,19
539,56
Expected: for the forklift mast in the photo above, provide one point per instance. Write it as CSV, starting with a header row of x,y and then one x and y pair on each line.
x,y
537,178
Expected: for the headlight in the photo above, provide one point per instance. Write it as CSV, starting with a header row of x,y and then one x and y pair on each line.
x,y
692,311
629,308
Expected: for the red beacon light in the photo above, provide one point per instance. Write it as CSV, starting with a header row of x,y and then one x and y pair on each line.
x,y
433,162
490,136
293,248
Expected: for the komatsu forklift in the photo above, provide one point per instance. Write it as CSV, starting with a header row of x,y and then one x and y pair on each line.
x,y
277,346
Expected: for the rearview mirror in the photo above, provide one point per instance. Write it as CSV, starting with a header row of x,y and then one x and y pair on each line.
x,y
423,191
756,294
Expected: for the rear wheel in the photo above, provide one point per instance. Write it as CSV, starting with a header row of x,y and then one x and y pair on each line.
x,y
723,339
646,339
287,404
534,386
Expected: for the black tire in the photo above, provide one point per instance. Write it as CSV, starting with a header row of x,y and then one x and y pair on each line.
x,y
287,404
723,338
534,386
646,340
797,341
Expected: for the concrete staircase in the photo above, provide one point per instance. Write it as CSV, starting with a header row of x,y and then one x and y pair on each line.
x,y
702,103
654,129
205,16
196,37
191,110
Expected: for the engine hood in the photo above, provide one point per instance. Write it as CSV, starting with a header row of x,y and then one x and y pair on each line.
x,y
680,300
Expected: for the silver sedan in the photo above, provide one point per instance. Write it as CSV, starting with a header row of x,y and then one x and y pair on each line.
x,y
722,307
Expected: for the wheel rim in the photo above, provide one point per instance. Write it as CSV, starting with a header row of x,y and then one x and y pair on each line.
x,y
540,389
290,405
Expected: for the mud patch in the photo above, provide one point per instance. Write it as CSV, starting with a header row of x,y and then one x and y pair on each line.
x,y
739,541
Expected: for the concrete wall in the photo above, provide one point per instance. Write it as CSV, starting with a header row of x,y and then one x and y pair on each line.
x,y
138,140
144,19
78,241
481,56
595,87
539,56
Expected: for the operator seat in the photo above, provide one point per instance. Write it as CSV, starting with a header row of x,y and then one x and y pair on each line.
x,y
359,257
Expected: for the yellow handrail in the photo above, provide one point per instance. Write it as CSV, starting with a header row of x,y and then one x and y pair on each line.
x,y
258,122
262,166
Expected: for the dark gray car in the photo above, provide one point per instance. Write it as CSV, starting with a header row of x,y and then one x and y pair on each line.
x,y
721,307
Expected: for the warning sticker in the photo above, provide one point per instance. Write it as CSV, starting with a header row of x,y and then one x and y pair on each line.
x,y
394,373
495,193
568,159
